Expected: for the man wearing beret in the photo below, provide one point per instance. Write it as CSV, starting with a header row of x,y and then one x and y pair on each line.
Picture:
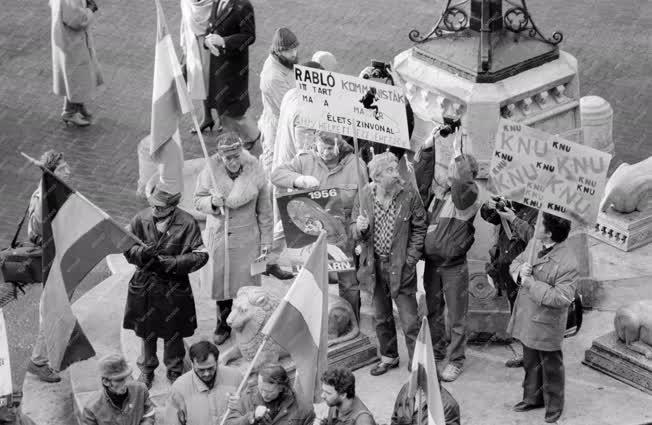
x,y
121,399
160,302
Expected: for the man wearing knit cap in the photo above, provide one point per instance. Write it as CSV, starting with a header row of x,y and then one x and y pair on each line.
x,y
160,303
276,79
121,399
326,60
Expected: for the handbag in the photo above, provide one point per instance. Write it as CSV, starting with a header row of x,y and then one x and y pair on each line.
x,y
20,263
574,321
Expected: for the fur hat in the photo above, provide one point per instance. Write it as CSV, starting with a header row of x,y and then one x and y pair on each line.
x,y
325,59
114,366
284,39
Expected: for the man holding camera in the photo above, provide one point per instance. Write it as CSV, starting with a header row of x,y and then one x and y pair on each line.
x,y
451,210
518,220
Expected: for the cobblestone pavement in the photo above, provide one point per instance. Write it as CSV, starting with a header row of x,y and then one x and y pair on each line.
x,y
610,40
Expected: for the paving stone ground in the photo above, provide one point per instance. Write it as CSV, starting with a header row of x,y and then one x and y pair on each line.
x,y
611,40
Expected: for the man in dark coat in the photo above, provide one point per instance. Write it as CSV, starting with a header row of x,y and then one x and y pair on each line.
x,y
160,302
231,30
271,402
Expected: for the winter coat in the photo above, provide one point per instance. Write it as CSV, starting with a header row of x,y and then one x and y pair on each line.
x,y
343,176
405,414
160,300
291,411
286,144
450,232
407,244
249,204
540,311
228,84
137,409
75,69
506,250
275,81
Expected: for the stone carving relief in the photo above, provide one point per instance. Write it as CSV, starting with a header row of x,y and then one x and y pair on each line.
x,y
633,324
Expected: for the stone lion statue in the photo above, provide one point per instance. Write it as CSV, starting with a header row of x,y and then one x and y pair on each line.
x,y
254,305
629,188
633,325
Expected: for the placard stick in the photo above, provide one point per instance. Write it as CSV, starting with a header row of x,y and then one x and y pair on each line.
x,y
361,182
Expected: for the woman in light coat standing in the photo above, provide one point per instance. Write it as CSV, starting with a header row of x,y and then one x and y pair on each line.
x,y
245,195
75,69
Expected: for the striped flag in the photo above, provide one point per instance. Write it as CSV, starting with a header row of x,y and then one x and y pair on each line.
x,y
169,96
424,376
76,236
300,323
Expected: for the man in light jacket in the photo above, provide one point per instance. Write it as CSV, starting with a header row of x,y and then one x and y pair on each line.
x,y
332,164
540,313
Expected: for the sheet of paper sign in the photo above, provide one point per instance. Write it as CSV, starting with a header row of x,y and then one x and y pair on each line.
x,y
259,265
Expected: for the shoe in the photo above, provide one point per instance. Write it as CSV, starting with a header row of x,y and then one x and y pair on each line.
x,y
451,373
277,272
220,336
172,376
45,373
515,362
74,118
382,368
526,407
203,126
84,112
552,417
147,379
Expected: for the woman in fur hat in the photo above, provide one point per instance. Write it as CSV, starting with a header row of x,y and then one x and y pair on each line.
x,y
244,194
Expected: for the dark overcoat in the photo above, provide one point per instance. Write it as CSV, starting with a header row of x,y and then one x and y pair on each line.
x,y
160,302
228,85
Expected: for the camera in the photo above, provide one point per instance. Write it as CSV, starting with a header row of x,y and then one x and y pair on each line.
x,y
451,125
501,203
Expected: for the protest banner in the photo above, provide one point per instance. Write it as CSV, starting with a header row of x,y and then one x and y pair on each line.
x,y
304,214
352,106
576,173
5,369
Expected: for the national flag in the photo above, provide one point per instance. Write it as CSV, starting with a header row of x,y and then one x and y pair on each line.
x,y
424,376
76,236
170,98
300,323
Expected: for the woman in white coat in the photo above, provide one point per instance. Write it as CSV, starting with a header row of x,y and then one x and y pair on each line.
x,y
75,69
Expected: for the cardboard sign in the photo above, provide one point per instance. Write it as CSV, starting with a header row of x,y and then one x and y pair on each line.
x,y
304,214
543,171
5,368
352,106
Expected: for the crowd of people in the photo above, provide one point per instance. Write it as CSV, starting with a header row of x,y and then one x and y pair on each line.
x,y
395,223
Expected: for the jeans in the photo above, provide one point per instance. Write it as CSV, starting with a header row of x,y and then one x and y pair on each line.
x,y
406,303
447,286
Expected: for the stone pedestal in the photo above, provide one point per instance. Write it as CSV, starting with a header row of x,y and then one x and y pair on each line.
x,y
597,123
610,356
624,231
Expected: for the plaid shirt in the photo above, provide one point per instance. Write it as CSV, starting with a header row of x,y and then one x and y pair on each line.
x,y
384,219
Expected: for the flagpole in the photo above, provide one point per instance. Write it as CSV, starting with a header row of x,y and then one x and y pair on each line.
x,y
100,210
245,379
419,412
361,182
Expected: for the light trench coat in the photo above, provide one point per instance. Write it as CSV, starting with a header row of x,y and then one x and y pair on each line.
x,y
249,203
75,69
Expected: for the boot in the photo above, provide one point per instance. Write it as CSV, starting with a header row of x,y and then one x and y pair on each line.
x,y
277,272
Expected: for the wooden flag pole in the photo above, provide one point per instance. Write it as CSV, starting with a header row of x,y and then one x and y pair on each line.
x,y
419,412
223,210
245,379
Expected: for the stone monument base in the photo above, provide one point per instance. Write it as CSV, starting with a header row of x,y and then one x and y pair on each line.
x,y
610,356
488,314
624,231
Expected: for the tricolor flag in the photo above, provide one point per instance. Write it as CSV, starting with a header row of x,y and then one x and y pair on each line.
x,y
76,236
424,376
300,323
169,96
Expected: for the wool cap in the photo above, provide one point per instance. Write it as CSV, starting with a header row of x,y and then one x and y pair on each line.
x,y
228,143
326,59
284,39
114,366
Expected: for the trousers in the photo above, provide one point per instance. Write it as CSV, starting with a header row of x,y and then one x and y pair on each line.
x,y
544,379
447,286
173,353
406,303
